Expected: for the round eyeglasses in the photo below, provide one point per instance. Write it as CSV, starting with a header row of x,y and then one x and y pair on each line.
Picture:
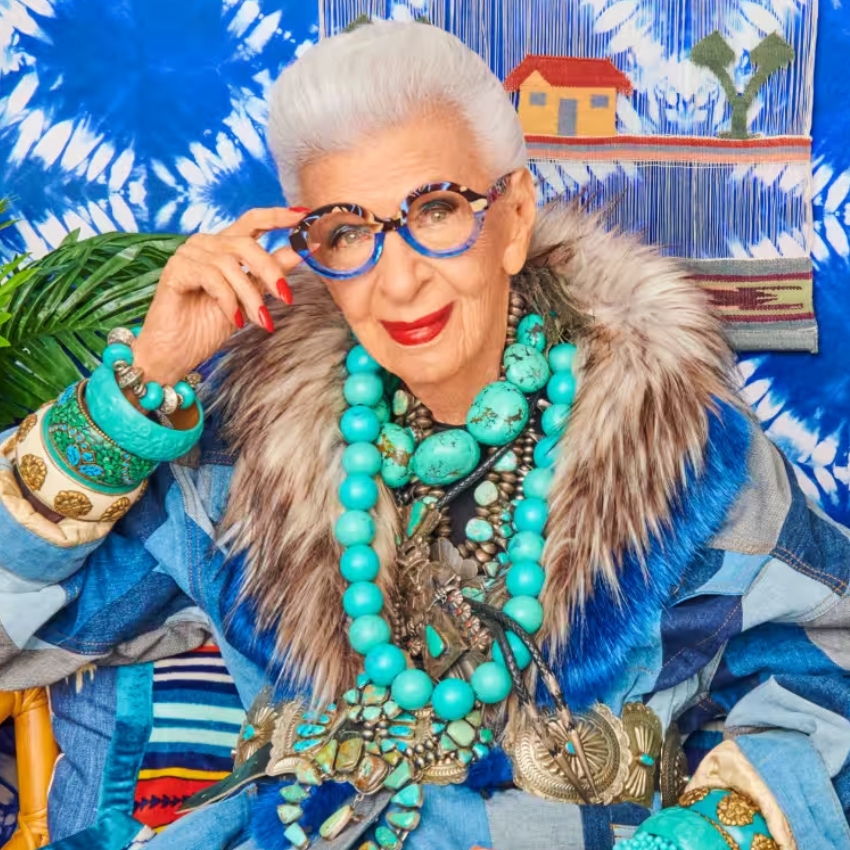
x,y
342,241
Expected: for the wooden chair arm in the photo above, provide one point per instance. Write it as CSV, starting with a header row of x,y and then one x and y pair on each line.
x,y
36,754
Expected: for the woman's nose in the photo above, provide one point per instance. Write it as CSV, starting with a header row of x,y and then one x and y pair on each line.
x,y
401,272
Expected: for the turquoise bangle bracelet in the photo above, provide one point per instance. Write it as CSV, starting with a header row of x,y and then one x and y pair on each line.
x,y
684,828
707,819
114,414
83,452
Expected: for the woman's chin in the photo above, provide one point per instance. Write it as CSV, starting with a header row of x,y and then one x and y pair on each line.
x,y
425,365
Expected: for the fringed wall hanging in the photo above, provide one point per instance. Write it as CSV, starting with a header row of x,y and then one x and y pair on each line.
x,y
687,121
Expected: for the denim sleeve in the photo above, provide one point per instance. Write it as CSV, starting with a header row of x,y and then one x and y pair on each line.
x,y
75,593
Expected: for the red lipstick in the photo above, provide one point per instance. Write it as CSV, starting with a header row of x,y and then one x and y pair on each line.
x,y
422,330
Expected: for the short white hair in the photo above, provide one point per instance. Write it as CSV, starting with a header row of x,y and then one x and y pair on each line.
x,y
380,75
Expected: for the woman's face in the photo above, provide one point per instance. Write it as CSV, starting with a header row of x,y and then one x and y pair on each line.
x,y
468,294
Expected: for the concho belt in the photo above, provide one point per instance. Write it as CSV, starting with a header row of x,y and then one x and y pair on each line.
x,y
367,741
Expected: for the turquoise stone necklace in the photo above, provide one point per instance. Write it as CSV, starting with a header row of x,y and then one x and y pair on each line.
x,y
417,712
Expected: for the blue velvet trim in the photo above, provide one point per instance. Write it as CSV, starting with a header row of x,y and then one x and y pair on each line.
x,y
113,830
612,625
266,828
133,722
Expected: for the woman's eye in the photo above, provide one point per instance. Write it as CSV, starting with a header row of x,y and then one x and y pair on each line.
x,y
345,237
436,212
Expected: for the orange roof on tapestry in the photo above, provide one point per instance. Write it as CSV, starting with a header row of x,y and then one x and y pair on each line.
x,y
569,72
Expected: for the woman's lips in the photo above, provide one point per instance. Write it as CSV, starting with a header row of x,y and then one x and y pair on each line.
x,y
422,330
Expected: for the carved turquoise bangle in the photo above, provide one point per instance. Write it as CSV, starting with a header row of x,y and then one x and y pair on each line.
x,y
707,820
114,414
83,452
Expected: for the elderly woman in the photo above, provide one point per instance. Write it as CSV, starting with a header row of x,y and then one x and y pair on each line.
x,y
475,514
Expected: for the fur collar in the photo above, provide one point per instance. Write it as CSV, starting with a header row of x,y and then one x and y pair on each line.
x,y
652,366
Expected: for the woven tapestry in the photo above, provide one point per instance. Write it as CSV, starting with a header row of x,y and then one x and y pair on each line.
x,y
685,121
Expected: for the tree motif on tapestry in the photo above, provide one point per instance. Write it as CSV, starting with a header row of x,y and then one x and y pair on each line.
x,y
769,56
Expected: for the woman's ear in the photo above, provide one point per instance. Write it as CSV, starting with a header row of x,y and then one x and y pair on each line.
x,y
521,203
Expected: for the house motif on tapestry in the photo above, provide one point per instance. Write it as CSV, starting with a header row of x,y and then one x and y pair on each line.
x,y
567,96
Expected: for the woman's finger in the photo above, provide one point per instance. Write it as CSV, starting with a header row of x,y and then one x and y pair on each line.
x,y
246,291
263,266
262,220
223,278
216,286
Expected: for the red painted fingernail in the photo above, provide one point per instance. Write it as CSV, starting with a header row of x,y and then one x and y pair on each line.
x,y
239,319
266,319
284,291
300,209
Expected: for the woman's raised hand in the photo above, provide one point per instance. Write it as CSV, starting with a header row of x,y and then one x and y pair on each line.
x,y
212,285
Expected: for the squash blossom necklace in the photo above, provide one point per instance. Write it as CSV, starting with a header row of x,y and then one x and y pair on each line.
x,y
462,629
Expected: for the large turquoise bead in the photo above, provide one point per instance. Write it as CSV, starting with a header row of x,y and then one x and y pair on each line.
x,y
363,388
359,424
361,598
491,682
411,689
526,611
526,546
526,367
555,419
358,492
446,456
384,663
531,331
361,458
521,654
546,452
354,527
367,632
498,414
525,578
562,357
561,388
359,563
396,446
359,360
153,397
531,515
453,699
537,484
185,391
117,352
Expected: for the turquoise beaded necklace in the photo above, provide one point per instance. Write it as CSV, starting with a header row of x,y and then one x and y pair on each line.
x,y
376,446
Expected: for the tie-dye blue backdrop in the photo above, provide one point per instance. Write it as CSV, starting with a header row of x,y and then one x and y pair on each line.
x,y
149,115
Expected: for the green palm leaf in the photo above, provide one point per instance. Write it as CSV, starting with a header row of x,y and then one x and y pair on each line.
x,y
59,309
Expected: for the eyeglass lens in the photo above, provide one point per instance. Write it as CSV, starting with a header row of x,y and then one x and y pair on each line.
x,y
439,221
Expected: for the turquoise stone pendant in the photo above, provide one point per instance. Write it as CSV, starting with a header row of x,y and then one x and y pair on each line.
x,y
436,645
447,456
396,446
532,331
526,367
479,530
336,823
297,837
498,414
410,797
